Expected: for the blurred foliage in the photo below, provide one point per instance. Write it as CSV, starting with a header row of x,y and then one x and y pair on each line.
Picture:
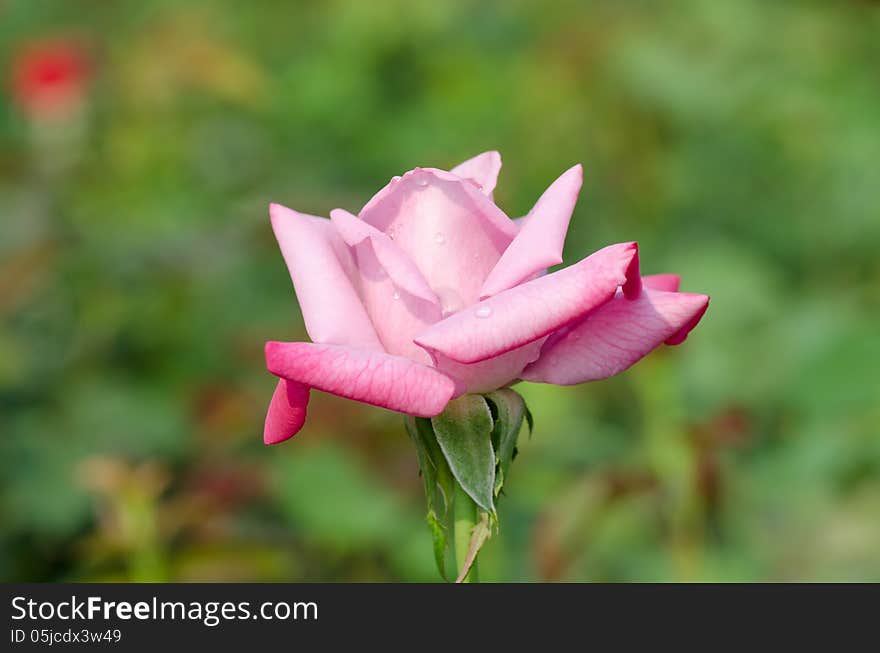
x,y
737,140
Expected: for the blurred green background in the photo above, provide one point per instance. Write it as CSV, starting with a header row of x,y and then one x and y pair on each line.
x,y
737,140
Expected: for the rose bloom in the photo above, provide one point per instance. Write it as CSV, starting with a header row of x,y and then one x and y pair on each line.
x,y
431,291
50,78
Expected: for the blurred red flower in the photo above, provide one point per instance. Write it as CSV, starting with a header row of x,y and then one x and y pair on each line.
x,y
50,78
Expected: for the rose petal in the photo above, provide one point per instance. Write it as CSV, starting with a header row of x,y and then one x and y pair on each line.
x,y
482,169
448,228
320,266
520,315
668,282
397,265
372,377
492,373
287,411
615,336
541,237
397,315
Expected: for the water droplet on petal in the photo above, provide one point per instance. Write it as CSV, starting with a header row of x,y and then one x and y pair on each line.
x,y
439,238
483,311
396,295
450,301
421,181
395,179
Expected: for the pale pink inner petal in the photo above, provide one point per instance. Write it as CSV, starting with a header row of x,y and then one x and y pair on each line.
x,y
541,237
450,230
322,270
614,336
372,377
396,314
403,272
482,169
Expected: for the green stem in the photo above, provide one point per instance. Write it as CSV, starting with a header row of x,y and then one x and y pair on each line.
x,y
464,519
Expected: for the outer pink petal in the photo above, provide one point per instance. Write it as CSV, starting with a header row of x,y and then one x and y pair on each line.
x,y
482,169
372,377
616,335
397,265
320,266
668,282
542,235
287,411
492,373
534,309
448,228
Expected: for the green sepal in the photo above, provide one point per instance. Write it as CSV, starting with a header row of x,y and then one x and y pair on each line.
x,y
466,452
438,483
529,419
509,412
422,432
463,432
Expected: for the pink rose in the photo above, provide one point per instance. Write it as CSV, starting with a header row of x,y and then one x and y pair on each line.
x,y
431,291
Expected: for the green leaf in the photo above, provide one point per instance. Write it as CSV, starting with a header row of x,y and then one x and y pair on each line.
x,y
464,433
509,410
